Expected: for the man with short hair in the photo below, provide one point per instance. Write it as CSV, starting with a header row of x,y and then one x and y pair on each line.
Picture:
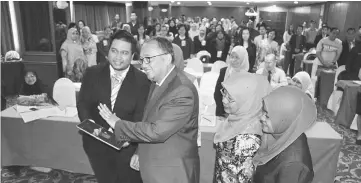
x,y
133,23
310,35
124,90
323,34
347,45
260,23
167,135
115,21
328,51
276,76
262,36
297,45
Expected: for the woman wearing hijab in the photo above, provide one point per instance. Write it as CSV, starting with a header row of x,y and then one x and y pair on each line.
x,y
89,46
303,81
71,50
238,137
200,40
284,156
237,61
32,85
245,41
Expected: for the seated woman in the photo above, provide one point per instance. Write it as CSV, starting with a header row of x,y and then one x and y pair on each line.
x,y
32,84
284,156
303,81
238,138
238,61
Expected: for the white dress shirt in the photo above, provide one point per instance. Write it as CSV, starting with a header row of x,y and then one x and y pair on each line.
x,y
278,77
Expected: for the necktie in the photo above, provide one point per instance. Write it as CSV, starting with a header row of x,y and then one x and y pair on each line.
x,y
269,76
116,83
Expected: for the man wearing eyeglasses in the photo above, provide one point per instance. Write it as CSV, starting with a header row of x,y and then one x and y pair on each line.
x,y
123,89
167,135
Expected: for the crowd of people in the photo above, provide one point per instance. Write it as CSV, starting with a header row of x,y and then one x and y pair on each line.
x,y
156,111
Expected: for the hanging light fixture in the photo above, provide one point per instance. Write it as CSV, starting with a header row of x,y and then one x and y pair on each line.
x,y
164,10
61,4
251,12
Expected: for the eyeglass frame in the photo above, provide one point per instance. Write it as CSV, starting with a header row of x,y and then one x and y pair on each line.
x,y
141,59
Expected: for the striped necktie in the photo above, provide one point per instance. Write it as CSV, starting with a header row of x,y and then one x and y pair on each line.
x,y
116,82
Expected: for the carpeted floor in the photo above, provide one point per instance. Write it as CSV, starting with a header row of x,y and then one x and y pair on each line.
x,y
348,167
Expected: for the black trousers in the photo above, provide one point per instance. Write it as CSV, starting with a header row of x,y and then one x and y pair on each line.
x,y
110,165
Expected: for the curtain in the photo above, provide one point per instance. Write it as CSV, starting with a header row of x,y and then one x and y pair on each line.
x,y
35,21
7,43
98,15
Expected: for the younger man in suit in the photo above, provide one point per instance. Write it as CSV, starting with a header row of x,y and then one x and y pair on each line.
x,y
124,90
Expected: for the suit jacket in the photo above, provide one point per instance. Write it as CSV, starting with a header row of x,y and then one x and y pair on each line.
x,y
218,95
353,64
345,53
134,29
167,135
211,45
293,43
129,105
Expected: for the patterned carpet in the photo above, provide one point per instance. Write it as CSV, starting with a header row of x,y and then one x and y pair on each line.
x,y
348,167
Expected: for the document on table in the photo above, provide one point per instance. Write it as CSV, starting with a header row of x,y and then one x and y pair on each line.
x,y
357,82
31,113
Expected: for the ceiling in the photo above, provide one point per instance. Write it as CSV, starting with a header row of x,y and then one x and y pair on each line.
x,y
236,3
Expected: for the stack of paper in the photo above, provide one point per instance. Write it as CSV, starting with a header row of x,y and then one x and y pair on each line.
x,y
31,113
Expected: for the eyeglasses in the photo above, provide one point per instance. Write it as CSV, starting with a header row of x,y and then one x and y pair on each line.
x,y
146,60
226,95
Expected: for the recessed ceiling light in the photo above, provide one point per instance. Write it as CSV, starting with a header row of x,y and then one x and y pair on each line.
x,y
247,2
296,2
172,1
178,3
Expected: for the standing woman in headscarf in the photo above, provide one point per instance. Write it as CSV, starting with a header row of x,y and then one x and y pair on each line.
x,y
238,137
70,50
89,46
245,41
237,62
303,81
193,32
284,156
200,40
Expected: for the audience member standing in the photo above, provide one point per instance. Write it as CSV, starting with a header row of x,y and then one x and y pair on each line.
x,y
200,40
311,34
173,28
262,36
297,46
347,46
89,46
246,42
115,21
183,41
324,33
103,46
219,47
134,25
288,34
267,46
71,50
193,32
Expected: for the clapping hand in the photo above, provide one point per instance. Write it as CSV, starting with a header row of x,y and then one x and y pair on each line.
x,y
107,115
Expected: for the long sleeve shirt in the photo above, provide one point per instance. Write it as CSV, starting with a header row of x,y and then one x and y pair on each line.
x,y
278,77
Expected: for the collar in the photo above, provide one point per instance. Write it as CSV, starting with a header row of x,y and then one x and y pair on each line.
x,y
165,77
272,71
122,74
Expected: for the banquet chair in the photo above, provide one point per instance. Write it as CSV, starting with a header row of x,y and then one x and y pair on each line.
x,y
194,67
336,96
64,93
203,53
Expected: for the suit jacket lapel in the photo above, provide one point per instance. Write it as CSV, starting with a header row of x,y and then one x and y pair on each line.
x,y
105,83
152,101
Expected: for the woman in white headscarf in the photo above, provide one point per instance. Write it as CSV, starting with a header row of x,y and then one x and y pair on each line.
x,y
89,46
284,155
193,32
303,81
238,138
237,62
200,40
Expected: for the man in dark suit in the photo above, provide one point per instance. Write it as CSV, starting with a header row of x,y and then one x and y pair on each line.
x,y
124,89
133,23
167,135
347,45
297,45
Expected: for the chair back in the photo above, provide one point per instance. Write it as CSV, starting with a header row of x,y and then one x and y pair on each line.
x,y
195,64
64,92
338,71
203,53
218,65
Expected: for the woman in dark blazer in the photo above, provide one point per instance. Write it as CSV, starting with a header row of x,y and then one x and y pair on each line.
x,y
184,42
245,41
219,47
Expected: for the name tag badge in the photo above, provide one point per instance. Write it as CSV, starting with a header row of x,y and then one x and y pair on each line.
x,y
219,54
105,42
203,43
183,43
